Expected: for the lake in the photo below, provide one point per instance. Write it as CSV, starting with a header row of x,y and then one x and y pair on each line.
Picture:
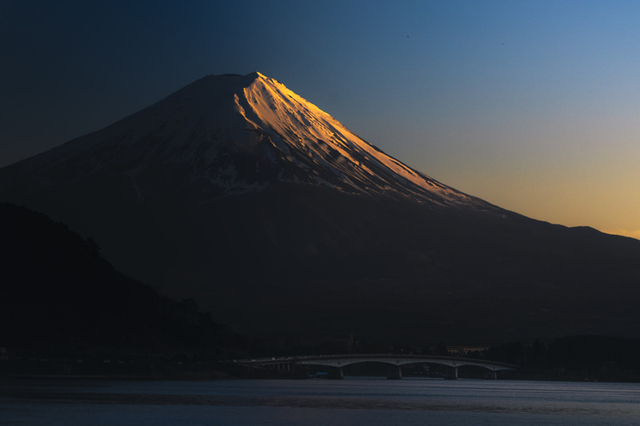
x,y
353,401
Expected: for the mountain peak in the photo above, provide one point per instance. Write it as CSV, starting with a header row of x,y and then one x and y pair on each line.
x,y
229,80
231,133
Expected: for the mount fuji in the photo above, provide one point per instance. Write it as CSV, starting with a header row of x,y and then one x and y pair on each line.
x,y
234,134
239,193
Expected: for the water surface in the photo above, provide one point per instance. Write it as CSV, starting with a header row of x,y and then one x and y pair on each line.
x,y
354,401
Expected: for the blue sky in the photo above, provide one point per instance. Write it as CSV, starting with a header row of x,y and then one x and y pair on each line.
x,y
532,106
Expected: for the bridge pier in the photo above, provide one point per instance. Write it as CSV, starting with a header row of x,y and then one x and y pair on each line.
x,y
491,375
394,373
340,374
283,366
451,373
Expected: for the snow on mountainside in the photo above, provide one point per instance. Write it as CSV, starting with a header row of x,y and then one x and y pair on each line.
x,y
239,133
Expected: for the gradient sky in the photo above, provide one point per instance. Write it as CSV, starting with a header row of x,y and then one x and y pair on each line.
x,y
530,105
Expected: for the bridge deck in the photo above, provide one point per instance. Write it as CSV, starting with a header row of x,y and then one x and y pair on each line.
x,y
340,361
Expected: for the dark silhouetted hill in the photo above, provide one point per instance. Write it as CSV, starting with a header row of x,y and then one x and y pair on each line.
x,y
60,297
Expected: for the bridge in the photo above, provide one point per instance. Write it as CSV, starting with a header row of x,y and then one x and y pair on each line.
x,y
397,361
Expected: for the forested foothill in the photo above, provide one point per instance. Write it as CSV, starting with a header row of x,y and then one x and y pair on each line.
x,y
591,358
65,309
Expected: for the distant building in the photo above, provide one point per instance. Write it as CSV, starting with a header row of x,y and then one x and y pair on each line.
x,y
465,350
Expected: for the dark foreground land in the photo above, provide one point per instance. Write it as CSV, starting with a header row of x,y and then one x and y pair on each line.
x,y
64,310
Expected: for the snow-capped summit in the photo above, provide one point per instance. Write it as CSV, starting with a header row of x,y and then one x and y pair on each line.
x,y
236,133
